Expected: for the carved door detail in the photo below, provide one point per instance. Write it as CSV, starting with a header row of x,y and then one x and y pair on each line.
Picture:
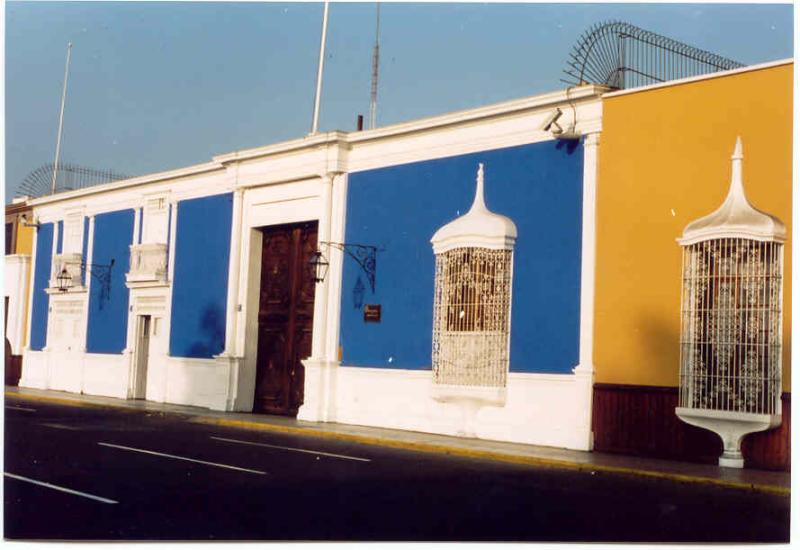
x,y
285,317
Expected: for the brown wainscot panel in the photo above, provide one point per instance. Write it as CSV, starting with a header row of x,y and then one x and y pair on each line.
x,y
641,420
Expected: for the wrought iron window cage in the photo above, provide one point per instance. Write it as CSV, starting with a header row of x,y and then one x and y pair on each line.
x,y
620,55
472,307
471,319
731,320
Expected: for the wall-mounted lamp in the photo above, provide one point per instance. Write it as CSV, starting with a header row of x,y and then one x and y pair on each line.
x,y
100,272
320,265
364,254
24,219
64,280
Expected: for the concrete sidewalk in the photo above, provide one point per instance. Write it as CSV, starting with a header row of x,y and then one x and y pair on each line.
x,y
756,480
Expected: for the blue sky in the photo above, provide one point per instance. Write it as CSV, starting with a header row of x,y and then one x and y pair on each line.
x,y
158,85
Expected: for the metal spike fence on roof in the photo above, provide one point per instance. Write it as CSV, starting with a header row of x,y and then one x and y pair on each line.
x,y
620,55
70,177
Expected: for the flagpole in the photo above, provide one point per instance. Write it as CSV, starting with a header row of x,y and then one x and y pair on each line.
x,y
315,120
61,119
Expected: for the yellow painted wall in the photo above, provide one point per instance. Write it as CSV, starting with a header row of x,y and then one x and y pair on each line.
x,y
24,239
664,162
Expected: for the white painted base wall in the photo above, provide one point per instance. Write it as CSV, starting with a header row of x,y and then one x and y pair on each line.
x,y
75,372
181,381
541,409
197,382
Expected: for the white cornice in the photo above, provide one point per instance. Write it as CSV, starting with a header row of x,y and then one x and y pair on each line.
x,y
127,183
342,140
579,93
590,91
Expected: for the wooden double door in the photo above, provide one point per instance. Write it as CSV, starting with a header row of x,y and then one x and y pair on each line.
x,y
285,316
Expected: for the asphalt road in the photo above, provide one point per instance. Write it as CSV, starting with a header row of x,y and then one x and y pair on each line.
x,y
144,476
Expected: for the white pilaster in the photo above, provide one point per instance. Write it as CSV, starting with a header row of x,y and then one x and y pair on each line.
x,y
173,225
336,269
230,355
173,237
87,282
322,367
137,221
584,372
234,263
17,268
53,266
588,249
321,292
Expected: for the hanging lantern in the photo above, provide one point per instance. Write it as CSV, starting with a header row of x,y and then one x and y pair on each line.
x,y
319,264
64,280
472,308
730,373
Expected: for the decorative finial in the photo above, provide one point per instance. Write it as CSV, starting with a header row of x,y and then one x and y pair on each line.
x,y
737,185
737,152
478,203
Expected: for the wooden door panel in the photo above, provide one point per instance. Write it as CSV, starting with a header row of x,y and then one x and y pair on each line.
x,y
285,318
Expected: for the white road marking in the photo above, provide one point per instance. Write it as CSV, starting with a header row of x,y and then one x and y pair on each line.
x,y
20,408
62,489
145,451
291,449
60,426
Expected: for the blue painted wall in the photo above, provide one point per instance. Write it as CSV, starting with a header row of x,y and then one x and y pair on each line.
x,y
41,280
200,284
538,186
108,308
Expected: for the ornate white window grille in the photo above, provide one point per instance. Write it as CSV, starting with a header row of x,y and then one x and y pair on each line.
x,y
148,262
472,320
731,321
472,308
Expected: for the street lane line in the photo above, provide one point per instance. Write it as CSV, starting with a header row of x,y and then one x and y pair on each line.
x,y
20,408
60,426
291,449
62,489
145,451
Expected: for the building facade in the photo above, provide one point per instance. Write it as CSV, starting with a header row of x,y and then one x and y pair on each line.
x,y
666,153
196,286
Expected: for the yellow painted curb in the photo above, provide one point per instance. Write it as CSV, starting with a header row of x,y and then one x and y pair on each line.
x,y
59,400
427,447
492,455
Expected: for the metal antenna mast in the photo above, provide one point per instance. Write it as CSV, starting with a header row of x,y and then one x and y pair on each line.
x,y
320,67
373,99
61,120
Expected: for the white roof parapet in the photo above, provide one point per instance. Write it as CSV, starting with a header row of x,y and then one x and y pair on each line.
x,y
478,228
736,217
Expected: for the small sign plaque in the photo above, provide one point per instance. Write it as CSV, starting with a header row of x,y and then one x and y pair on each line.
x,y
372,313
